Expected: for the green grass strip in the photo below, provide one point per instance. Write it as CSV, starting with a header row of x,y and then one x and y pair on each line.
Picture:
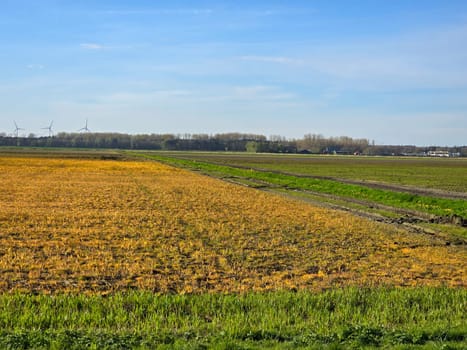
x,y
424,204
347,317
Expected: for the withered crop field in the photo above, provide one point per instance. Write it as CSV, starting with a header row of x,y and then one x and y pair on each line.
x,y
101,226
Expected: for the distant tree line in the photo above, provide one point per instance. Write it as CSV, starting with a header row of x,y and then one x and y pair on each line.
x,y
235,142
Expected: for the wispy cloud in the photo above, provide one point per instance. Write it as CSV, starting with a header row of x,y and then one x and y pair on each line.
x,y
179,12
424,60
272,59
97,47
35,66
280,11
427,59
187,11
92,46
147,97
260,92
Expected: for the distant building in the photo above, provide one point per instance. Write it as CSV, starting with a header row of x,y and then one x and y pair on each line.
x,y
442,154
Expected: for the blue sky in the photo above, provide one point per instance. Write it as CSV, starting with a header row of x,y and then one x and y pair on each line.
x,y
390,71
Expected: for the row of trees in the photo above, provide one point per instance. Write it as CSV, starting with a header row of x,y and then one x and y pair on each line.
x,y
238,142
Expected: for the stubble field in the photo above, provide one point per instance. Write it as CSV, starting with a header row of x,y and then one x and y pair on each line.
x,y
102,226
110,240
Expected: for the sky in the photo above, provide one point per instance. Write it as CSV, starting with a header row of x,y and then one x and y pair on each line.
x,y
390,71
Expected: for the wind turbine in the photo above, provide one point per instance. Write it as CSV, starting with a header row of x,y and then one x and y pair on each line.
x,y
17,129
85,127
49,128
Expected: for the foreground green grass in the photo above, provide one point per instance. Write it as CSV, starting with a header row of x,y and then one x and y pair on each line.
x,y
423,204
425,318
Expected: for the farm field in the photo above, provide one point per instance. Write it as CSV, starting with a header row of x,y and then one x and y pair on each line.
x,y
449,174
433,211
84,228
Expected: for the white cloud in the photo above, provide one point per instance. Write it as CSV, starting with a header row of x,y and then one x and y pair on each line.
x,y
131,98
429,59
97,47
92,46
260,92
35,66
272,59
180,11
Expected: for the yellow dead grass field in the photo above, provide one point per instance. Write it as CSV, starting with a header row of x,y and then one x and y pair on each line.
x,y
101,226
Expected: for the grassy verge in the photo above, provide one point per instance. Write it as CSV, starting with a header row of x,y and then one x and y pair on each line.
x,y
420,318
423,204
